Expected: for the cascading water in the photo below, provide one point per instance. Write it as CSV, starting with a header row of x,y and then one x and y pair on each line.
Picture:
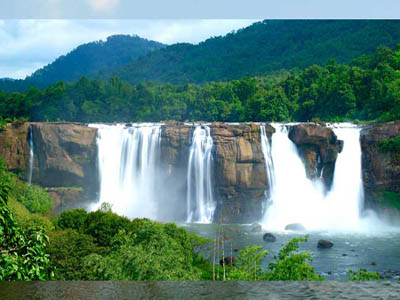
x,y
296,199
269,166
127,158
200,203
31,154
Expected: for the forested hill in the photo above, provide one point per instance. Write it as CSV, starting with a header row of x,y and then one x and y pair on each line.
x,y
261,48
85,60
366,89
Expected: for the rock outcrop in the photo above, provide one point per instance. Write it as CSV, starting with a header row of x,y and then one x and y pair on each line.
x,y
14,147
65,155
65,159
381,170
240,176
319,147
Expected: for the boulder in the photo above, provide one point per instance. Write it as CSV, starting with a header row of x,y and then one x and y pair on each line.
x,y
295,227
256,227
324,244
319,147
269,237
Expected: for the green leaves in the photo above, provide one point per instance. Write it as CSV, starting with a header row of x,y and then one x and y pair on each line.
x,y
289,264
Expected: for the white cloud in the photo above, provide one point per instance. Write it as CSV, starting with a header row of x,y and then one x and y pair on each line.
x,y
26,45
103,5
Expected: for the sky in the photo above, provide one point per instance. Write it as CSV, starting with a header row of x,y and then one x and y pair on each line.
x,y
27,45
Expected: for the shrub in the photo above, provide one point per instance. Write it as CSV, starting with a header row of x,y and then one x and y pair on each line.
x,y
23,254
68,248
290,264
33,197
363,274
73,219
389,145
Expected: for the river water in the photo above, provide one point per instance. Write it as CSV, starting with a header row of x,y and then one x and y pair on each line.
x,y
377,251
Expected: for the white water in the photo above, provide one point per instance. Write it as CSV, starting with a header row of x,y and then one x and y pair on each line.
x,y
127,158
296,199
200,202
269,165
31,155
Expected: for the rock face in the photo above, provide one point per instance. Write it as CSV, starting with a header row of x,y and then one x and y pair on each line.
x,y
65,155
239,168
319,147
381,170
14,147
65,159
175,148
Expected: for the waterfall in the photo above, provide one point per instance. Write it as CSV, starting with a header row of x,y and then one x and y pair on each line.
x,y
200,203
269,166
31,154
127,161
297,199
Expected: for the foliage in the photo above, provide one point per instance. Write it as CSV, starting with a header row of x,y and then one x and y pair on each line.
x,y
366,89
152,251
68,248
23,253
248,265
291,264
33,197
72,219
362,275
389,145
389,198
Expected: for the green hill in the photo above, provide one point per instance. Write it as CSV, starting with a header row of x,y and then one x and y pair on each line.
x,y
261,48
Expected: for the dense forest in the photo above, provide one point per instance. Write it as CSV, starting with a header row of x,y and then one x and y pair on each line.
x,y
86,60
368,88
260,49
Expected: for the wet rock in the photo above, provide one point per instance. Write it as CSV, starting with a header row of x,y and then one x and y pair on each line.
x,y
344,254
380,170
256,227
325,244
319,147
373,263
235,250
269,237
240,177
229,261
295,227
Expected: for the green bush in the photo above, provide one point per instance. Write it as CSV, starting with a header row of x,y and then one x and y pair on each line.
x,y
290,264
33,197
389,145
23,254
72,219
68,249
362,275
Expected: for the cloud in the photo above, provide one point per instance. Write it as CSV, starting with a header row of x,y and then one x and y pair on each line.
x,y
26,45
102,5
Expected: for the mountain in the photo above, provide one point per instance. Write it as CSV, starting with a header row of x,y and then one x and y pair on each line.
x,y
260,49
87,59
257,50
